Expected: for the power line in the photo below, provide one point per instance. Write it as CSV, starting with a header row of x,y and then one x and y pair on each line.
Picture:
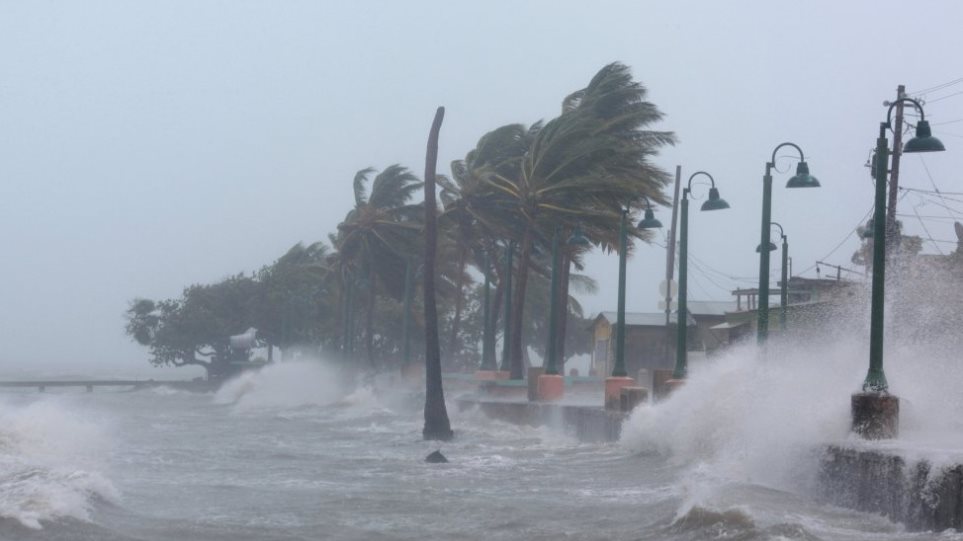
x,y
937,87
941,98
947,122
838,246
927,231
921,190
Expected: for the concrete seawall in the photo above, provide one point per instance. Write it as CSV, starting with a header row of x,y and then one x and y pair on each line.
x,y
587,423
914,492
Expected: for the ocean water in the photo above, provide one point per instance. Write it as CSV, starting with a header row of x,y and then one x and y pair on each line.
x,y
294,453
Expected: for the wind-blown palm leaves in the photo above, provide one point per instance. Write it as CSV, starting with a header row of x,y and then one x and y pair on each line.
x,y
377,235
581,167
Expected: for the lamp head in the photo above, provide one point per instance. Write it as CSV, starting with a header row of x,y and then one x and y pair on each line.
x,y
924,140
772,247
715,202
802,178
577,238
649,221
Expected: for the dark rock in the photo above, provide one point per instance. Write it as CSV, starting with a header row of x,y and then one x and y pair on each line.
x,y
436,458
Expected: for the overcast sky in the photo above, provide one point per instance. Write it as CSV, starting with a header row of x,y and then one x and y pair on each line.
x,y
145,146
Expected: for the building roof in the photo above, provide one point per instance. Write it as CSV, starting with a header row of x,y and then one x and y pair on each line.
x,y
710,308
641,319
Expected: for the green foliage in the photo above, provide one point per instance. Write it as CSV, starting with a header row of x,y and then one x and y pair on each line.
x,y
517,184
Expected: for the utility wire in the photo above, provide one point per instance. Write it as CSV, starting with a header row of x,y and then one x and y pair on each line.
x,y
941,98
927,231
921,190
852,231
937,87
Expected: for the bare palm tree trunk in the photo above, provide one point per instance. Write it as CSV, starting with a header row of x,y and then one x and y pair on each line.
x,y
437,425
518,303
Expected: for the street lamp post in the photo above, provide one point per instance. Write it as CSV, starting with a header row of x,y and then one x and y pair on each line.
x,y
802,179
714,202
875,411
551,384
620,376
784,289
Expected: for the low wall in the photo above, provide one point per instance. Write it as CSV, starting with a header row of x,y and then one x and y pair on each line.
x,y
915,493
587,423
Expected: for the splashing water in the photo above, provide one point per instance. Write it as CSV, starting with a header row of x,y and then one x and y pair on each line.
x,y
48,464
763,417
284,385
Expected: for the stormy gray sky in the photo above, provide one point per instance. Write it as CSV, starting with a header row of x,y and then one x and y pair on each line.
x,y
148,145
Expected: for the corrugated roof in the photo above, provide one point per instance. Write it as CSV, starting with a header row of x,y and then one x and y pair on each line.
x,y
711,308
641,319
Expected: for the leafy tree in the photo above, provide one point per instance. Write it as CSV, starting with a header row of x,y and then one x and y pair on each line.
x,y
195,330
294,301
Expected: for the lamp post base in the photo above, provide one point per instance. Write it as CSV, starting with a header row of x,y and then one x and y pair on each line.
x,y
491,375
672,384
613,391
550,387
413,372
875,415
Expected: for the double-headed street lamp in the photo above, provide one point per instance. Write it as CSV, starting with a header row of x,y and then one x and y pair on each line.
x,y
551,384
875,411
784,290
682,313
620,376
802,179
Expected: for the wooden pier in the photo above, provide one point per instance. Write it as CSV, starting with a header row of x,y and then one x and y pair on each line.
x,y
42,385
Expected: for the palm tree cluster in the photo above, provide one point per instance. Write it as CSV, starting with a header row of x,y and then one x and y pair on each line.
x,y
513,191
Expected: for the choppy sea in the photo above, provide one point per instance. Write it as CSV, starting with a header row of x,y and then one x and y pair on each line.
x,y
293,454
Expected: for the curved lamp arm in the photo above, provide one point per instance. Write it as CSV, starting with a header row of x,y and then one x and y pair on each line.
x,y
916,104
712,181
781,232
802,157
648,204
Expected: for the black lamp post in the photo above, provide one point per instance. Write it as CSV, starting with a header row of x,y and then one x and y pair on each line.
x,y
875,411
682,314
784,290
802,179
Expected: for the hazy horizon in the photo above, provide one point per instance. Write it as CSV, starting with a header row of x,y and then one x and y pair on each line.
x,y
148,146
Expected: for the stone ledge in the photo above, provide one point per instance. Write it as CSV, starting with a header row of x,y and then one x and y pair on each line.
x,y
587,423
914,493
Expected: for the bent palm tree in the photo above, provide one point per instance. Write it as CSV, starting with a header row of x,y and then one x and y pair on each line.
x,y
376,235
583,167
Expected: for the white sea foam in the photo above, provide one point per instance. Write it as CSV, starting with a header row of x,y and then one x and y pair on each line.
x,y
49,461
283,386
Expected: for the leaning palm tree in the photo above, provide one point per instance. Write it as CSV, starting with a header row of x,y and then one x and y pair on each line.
x,y
584,167
475,217
376,236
